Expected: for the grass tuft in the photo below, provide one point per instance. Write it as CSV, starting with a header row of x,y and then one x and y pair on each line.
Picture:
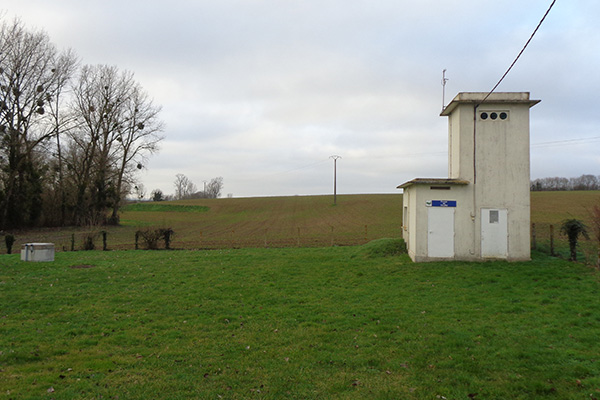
x,y
385,247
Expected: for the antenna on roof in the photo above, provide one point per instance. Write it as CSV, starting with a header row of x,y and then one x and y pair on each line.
x,y
444,80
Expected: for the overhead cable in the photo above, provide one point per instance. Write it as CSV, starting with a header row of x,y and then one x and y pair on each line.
x,y
521,52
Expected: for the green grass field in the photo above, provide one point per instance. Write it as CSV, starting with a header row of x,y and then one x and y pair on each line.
x,y
269,314
296,323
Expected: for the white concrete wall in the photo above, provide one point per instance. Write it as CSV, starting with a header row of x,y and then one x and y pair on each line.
x,y
410,229
499,168
416,197
460,148
491,154
502,179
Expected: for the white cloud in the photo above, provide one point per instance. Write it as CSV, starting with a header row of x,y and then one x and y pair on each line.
x,y
262,92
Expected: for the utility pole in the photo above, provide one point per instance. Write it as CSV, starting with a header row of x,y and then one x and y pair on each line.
x,y
335,158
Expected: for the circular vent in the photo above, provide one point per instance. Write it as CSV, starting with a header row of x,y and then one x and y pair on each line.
x,y
493,115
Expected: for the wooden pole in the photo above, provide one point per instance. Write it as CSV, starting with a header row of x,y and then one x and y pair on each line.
x,y
331,235
552,240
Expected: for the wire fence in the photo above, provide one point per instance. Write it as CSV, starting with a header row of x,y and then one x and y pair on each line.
x,y
129,239
547,238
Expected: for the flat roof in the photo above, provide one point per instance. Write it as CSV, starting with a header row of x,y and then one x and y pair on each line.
x,y
495,97
433,181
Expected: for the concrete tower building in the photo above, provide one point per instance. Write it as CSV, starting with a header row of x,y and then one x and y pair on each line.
x,y
482,210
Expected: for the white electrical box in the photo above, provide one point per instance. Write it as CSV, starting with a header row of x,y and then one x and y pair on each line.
x,y
37,252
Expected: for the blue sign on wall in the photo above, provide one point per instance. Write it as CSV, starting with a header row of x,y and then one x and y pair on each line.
x,y
443,203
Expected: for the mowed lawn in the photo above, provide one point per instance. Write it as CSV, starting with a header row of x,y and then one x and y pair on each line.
x,y
296,323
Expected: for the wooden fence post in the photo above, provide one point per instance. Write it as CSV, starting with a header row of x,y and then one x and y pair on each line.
x,y
552,240
598,260
332,236
598,256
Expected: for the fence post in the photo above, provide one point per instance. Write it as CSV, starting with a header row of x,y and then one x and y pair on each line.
x,y
104,240
332,236
598,260
552,240
533,237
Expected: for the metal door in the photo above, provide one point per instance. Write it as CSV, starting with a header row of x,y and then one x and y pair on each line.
x,y
494,233
440,232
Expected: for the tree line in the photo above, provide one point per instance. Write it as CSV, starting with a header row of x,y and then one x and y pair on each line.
x,y
584,182
72,137
186,189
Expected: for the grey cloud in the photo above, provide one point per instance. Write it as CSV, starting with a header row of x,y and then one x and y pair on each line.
x,y
261,92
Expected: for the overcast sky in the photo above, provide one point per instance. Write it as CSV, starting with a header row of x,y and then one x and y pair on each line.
x,y
263,92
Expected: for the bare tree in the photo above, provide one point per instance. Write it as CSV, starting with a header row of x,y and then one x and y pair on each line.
x,y
214,188
97,97
28,80
184,188
69,148
138,136
60,122
585,182
118,127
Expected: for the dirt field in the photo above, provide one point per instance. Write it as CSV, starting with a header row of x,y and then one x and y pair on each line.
x,y
298,221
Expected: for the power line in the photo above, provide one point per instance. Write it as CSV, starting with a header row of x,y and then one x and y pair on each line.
x,y
521,52
566,142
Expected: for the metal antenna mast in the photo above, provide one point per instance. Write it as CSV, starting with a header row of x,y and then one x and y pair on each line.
x,y
444,80
335,158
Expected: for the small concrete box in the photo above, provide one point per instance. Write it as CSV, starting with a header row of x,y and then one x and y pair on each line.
x,y
37,252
